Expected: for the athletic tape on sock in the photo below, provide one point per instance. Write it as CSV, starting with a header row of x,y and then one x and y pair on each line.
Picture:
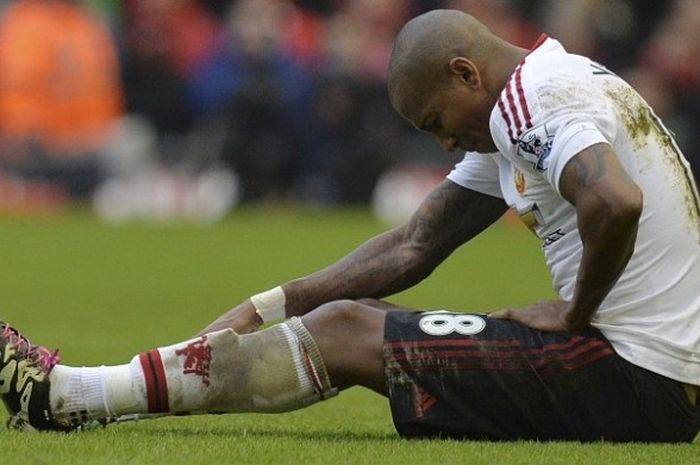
x,y
296,358
270,305
316,367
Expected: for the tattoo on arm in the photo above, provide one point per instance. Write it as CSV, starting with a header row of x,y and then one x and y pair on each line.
x,y
590,166
450,216
608,205
398,259
437,218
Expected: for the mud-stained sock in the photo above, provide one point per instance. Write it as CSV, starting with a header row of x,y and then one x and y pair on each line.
x,y
275,370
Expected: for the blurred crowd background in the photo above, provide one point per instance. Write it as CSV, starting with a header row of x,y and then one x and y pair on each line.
x,y
187,107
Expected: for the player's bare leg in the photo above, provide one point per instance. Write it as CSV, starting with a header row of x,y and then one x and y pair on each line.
x,y
278,369
350,335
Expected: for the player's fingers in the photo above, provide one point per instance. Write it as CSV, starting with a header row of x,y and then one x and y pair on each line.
x,y
524,317
505,314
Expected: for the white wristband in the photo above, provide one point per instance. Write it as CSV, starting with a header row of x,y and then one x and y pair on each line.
x,y
269,305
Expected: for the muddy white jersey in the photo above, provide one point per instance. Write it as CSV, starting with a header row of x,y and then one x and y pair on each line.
x,y
554,106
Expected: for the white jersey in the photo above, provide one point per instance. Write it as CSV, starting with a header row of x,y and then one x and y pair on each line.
x,y
555,105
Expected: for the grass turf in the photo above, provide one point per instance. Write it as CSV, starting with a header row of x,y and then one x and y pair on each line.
x,y
105,293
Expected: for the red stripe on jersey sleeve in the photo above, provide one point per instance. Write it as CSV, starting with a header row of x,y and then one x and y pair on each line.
x,y
521,96
513,109
506,118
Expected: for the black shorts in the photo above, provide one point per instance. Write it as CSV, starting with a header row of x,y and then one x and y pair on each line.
x,y
471,377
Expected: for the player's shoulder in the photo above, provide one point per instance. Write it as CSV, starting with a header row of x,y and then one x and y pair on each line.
x,y
548,83
550,77
548,58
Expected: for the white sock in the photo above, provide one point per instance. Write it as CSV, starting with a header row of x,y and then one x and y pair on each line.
x,y
82,393
274,370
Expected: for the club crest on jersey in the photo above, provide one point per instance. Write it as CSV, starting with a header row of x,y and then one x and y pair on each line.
x,y
535,146
519,180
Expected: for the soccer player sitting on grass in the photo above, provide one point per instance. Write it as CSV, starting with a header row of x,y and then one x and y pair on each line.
x,y
590,169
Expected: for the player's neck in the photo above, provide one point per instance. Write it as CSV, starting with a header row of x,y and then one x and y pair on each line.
x,y
502,67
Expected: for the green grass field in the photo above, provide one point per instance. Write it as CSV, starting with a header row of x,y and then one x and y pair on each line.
x,y
104,293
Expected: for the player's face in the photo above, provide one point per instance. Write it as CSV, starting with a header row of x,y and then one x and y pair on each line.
x,y
458,117
456,111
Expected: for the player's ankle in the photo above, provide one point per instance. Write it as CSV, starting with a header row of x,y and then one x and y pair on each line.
x,y
95,392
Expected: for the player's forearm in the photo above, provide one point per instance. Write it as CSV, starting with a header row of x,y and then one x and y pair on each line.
x,y
384,265
396,260
608,234
389,263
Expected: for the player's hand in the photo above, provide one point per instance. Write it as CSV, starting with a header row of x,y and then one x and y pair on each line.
x,y
546,315
242,319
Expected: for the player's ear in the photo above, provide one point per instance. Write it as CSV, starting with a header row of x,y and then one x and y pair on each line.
x,y
466,70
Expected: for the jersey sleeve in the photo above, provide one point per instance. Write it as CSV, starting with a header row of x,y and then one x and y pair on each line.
x,y
568,136
478,172
550,111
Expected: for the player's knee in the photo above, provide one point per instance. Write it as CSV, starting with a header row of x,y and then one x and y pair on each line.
x,y
337,320
349,338
340,312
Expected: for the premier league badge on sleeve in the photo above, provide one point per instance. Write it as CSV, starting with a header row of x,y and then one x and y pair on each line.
x,y
535,146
